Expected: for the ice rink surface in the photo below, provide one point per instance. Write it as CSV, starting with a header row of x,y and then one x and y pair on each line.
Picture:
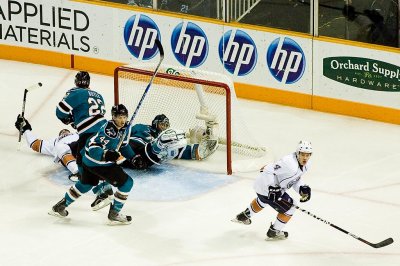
x,y
182,215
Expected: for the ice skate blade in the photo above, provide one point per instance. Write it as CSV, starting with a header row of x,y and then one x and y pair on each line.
x,y
275,238
239,222
56,214
73,178
112,223
102,204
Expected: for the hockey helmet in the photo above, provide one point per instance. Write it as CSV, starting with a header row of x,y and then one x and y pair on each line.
x,y
119,109
64,132
304,146
82,79
160,122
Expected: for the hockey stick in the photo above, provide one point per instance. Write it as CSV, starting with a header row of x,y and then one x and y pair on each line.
x,y
374,245
161,49
35,86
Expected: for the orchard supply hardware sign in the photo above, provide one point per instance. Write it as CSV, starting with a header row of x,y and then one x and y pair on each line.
x,y
363,73
44,25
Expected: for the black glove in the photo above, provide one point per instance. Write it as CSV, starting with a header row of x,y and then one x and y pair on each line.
x,y
274,193
111,155
139,163
22,124
68,120
305,193
349,12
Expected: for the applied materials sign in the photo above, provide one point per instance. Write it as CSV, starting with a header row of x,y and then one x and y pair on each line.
x,y
363,73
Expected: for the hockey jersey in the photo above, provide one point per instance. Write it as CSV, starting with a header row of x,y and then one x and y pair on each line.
x,y
49,146
86,107
141,135
107,138
285,173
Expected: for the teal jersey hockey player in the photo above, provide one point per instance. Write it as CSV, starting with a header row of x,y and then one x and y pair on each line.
x,y
106,139
100,163
81,106
83,109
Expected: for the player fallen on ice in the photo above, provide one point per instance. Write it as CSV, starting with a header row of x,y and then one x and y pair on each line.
x,y
271,185
62,147
100,163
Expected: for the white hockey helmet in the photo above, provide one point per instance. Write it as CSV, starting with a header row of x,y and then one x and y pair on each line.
x,y
304,146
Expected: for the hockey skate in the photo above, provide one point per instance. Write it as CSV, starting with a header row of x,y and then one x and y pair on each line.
x,y
102,200
274,234
116,218
59,210
242,218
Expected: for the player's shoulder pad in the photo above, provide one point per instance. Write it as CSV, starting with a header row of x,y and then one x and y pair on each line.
x,y
111,130
73,90
290,163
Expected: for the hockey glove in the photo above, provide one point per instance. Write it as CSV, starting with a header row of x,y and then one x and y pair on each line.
x,y
139,163
111,155
274,193
68,120
305,193
22,124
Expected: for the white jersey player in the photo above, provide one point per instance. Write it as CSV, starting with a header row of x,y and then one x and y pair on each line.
x,y
62,148
271,186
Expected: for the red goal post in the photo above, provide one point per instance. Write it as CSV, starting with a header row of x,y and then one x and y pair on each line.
x,y
188,98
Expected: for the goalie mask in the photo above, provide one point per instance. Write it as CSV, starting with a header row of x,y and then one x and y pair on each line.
x,y
160,123
82,79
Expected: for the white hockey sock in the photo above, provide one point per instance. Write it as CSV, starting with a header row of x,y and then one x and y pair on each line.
x,y
256,206
73,167
278,225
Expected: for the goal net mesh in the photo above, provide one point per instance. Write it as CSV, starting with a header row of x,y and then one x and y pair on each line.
x,y
184,95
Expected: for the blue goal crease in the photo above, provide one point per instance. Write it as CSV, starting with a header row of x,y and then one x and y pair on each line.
x,y
166,182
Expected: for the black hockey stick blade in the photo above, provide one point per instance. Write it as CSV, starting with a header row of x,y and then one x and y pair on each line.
x,y
382,244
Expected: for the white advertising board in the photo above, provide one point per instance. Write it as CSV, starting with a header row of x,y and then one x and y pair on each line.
x,y
357,74
249,56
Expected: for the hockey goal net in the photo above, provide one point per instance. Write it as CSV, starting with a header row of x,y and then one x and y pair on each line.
x,y
190,98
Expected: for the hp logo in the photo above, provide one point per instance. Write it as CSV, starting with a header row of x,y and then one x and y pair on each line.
x,y
189,44
139,34
237,52
286,60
